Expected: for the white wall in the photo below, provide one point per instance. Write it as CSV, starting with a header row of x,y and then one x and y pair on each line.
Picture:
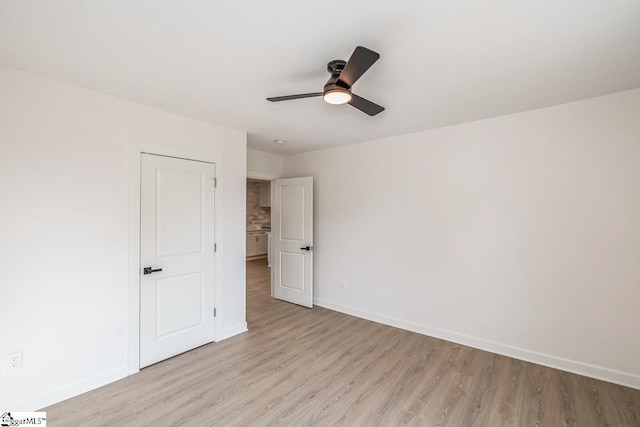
x,y
264,163
63,227
518,234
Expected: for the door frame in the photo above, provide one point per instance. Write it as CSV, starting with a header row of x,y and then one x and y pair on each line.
x,y
136,149
265,176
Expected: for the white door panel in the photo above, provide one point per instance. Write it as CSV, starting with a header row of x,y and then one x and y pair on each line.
x,y
292,224
292,211
179,204
292,268
178,299
177,235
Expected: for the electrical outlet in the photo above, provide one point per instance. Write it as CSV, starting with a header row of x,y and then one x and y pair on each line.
x,y
343,285
14,361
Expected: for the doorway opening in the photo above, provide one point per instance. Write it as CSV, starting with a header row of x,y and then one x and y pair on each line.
x,y
258,219
283,260
258,244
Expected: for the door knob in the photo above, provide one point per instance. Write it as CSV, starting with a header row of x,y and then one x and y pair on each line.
x,y
307,248
149,270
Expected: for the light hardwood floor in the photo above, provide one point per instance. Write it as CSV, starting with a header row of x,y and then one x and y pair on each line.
x,y
298,366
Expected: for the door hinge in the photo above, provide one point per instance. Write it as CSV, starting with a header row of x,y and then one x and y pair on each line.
x,y
215,181
215,312
215,247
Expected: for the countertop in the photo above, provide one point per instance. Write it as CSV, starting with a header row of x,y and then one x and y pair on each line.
x,y
264,230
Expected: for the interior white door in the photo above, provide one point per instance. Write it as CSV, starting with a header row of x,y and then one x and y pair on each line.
x,y
177,249
292,226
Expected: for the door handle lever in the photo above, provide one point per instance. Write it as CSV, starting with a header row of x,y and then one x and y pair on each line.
x,y
307,248
149,270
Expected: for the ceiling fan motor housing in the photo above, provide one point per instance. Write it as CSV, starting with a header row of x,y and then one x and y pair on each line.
x,y
335,67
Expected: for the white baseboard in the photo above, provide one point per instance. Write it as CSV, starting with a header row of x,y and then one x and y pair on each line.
x,y
233,330
98,381
588,370
70,391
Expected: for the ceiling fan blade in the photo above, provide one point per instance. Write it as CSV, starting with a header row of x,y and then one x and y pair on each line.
x,y
361,60
288,97
365,105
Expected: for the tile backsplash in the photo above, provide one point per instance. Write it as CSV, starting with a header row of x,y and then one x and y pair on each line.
x,y
256,216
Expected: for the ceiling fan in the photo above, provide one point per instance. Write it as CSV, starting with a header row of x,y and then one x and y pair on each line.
x,y
337,90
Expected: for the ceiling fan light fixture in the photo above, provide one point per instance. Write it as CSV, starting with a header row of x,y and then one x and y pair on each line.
x,y
337,90
337,96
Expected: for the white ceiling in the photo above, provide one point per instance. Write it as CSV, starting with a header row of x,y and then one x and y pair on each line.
x,y
442,62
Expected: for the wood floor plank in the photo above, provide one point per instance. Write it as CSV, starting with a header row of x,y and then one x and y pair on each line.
x,y
299,366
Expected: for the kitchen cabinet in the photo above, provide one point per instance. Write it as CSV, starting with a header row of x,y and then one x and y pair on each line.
x,y
265,194
257,243
261,245
252,244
